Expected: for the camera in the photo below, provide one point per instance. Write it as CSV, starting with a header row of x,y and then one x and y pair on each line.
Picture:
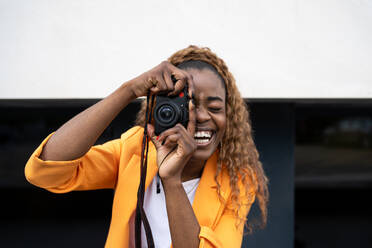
x,y
170,110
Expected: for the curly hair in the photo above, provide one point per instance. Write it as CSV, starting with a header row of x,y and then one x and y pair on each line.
x,y
238,153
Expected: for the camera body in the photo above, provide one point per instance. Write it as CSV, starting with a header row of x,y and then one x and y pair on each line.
x,y
170,110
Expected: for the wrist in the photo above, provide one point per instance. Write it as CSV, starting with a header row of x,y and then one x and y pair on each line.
x,y
128,88
171,182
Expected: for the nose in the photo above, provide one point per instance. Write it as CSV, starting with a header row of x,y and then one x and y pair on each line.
x,y
202,115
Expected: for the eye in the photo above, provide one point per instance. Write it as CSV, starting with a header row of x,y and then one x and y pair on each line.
x,y
215,109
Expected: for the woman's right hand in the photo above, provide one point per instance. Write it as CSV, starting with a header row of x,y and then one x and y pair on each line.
x,y
159,79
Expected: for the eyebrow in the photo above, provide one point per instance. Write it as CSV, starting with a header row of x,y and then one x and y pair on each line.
x,y
214,98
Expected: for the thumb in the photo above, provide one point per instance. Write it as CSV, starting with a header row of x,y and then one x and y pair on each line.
x,y
153,137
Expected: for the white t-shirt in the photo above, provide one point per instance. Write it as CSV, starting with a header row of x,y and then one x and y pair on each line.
x,y
156,212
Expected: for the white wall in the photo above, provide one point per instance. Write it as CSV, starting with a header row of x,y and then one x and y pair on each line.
x,y
275,49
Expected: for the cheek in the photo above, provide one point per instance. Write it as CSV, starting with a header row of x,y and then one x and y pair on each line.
x,y
221,124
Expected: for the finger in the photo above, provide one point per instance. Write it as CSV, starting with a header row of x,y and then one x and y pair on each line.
x,y
152,83
168,81
153,137
186,141
192,118
180,81
168,132
177,77
180,131
172,140
156,87
191,88
161,87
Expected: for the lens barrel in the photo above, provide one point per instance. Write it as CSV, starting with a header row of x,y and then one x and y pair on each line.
x,y
167,114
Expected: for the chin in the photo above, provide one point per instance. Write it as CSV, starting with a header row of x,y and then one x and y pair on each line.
x,y
203,155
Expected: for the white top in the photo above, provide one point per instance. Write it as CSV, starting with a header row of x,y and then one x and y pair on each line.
x,y
156,212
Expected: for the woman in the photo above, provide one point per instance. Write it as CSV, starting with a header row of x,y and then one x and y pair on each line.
x,y
210,171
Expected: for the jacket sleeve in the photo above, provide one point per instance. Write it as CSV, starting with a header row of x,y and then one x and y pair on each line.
x,y
229,230
97,169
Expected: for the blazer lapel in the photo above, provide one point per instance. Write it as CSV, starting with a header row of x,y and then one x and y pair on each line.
x,y
207,204
132,183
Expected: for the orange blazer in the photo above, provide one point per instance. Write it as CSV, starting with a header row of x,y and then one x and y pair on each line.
x,y
116,165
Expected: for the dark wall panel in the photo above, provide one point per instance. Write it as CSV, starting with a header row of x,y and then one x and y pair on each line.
x,y
273,125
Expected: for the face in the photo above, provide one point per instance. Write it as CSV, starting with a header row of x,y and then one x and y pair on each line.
x,y
210,112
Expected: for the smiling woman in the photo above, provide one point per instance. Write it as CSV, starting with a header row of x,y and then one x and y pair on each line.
x,y
221,110
210,170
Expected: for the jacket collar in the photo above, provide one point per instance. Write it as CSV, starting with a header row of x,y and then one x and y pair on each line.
x,y
207,204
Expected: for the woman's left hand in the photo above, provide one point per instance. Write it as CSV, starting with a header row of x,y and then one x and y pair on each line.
x,y
175,146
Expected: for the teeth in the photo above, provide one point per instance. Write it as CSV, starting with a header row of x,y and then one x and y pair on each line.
x,y
203,137
203,134
202,141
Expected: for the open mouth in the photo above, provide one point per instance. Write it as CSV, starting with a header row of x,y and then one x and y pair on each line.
x,y
203,137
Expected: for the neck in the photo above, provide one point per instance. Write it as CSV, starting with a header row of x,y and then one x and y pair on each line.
x,y
193,169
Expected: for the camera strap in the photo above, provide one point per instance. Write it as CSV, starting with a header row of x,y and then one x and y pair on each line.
x,y
140,212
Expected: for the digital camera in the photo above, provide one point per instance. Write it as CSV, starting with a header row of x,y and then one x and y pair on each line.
x,y
170,110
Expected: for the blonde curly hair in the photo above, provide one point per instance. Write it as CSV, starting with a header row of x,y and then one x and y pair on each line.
x,y
238,153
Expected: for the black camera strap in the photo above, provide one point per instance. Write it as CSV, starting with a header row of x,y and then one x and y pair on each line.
x,y
140,212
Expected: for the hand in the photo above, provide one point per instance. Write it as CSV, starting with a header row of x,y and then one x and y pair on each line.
x,y
159,79
175,147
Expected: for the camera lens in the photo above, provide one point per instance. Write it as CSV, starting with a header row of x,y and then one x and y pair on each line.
x,y
166,114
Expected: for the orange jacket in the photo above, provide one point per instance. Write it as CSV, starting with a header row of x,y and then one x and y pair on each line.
x,y
115,165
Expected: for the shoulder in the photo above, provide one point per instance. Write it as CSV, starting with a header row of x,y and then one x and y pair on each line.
x,y
245,188
133,134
